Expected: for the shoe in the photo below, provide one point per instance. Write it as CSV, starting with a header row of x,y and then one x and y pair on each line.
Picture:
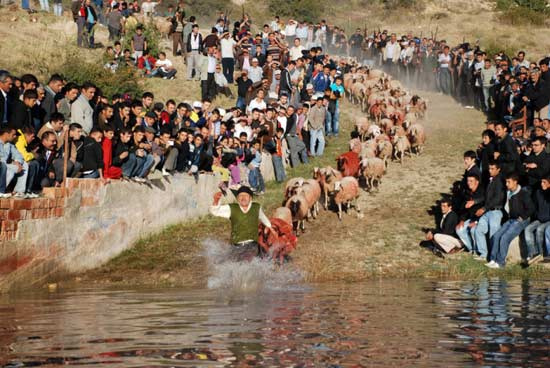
x,y
5,195
32,195
480,258
165,173
468,107
20,195
492,265
139,180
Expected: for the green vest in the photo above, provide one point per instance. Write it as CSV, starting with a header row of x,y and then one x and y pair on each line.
x,y
244,226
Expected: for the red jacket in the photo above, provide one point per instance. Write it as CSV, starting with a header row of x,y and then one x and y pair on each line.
x,y
109,171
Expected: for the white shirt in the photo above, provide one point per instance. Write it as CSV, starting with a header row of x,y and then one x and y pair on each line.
x,y
255,74
212,64
164,64
296,52
227,47
444,60
274,26
148,7
390,49
239,128
223,210
220,79
290,29
254,104
194,41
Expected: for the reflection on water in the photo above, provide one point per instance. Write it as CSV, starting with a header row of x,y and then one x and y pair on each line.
x,y
389,323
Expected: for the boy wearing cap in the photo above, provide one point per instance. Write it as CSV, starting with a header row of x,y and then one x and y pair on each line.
x,y
245,217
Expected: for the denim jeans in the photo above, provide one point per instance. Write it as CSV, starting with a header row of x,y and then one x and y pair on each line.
x,y
500,242
256,180
93,175
58,9
547,241
317,135
45,5
489,223
21,177
534,237
145,164
466,235
445,80
279,168
486,95
90,34
3,172
228,65
129,168
241,103
336,121
328,123
25,4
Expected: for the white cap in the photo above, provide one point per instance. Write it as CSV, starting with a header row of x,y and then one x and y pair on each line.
x,y
309,86
255,60
197,105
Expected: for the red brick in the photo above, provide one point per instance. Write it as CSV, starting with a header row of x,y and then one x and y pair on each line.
x,y
60,202
48,192
22,204
5,204
8,225
39,213
51,202
16,214
3,214
59,212
88,201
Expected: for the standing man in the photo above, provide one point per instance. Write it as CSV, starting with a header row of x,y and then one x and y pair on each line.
x,y
227,45
245,217
194,49
316,119
507,154
53,88
6,82
444,61
81,110
355,43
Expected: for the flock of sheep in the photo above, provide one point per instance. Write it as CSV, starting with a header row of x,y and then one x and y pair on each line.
x,y
390,130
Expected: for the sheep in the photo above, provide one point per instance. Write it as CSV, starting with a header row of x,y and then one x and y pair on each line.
x,y
385,150
284,214
291,184
401,146
386,124
373,170
417,137
298,206
362,125
326,177
311,190
368,149
346,191
163,26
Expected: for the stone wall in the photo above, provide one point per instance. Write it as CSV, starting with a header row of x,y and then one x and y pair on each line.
x,y
87,223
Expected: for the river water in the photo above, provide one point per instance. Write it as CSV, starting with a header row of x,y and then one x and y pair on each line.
x,y
489,322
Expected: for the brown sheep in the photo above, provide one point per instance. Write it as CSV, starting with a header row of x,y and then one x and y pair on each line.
x,y
417,137
368,149
326,177
346,191
401,146
373,170
284,214
291,184
312,192
385,150
298,206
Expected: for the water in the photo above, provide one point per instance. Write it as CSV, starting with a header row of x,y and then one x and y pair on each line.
x,y
376,324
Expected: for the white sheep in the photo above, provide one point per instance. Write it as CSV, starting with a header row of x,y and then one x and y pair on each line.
x,y
373,169
346,191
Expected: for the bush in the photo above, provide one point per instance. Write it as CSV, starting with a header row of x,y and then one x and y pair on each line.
x,y
124,80
523,12
309,10
207,9
151,34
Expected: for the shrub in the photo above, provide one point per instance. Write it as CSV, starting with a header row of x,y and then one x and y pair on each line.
x,y
151,34
207,9
124,80
523,12
309,10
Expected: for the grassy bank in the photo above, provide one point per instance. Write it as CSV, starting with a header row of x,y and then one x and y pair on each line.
x,y
383,243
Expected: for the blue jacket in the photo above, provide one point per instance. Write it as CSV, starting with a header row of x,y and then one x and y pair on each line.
x,y
320,83
9,153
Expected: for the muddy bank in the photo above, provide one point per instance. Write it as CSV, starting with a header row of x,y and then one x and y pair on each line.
x,y
383,243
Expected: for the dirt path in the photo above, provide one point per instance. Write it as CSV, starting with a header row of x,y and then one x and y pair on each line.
x,y
385,240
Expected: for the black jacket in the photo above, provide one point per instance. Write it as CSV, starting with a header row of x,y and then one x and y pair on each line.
x,y
21,115
495,194
285,83
538,94
479,199
3,106
189,49
118,149
542,203
486,154
535,175
92,155
449,225
509,158
521,205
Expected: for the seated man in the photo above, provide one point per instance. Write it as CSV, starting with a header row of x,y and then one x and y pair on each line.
x,y
519,208
490,215
444,236
139,150
49,160
15,166
27,146
475,198
92,159
3,172
534,233
109,170
164,68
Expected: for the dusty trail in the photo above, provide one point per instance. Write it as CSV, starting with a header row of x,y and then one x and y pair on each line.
x,y
385,240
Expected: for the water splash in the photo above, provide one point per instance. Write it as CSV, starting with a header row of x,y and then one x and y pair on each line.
x,y
256,275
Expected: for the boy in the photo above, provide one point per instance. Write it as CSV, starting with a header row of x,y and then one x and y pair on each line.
x,y
92,161
255,177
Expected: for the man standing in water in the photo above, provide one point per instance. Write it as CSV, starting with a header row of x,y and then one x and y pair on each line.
x,y
245,217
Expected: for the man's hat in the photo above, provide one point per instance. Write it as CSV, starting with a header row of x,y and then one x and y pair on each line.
x,y
151,115
244,189
150,130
